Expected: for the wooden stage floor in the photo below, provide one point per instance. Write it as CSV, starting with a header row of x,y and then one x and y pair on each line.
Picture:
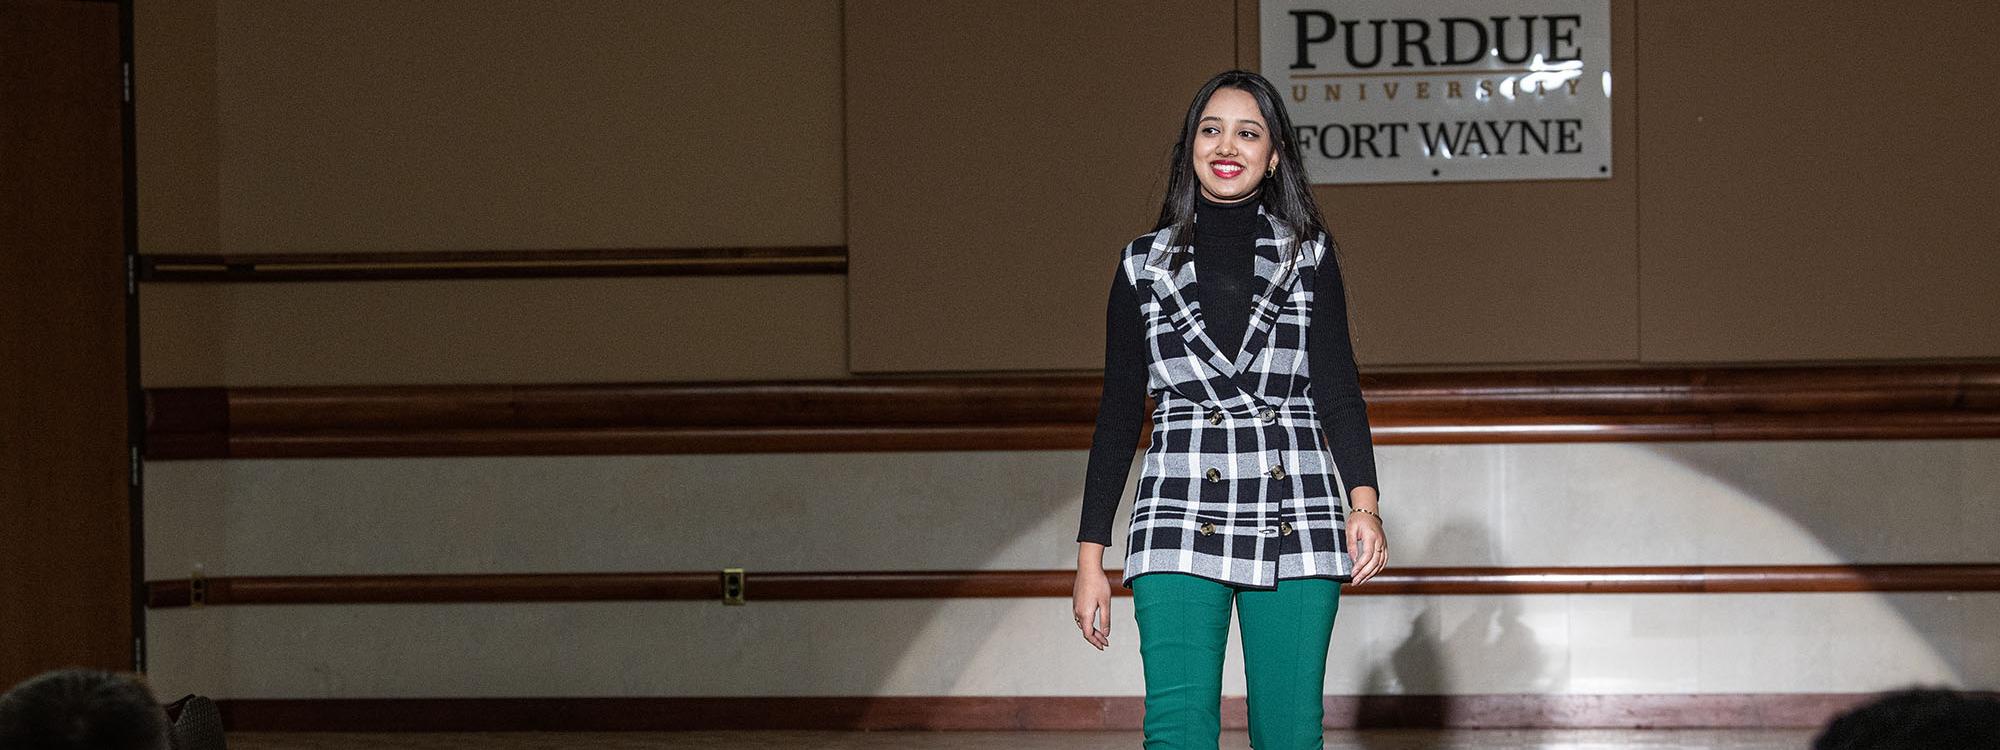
x,y
1492,739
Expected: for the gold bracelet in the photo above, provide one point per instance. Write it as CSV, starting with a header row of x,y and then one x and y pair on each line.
x,y
1378,516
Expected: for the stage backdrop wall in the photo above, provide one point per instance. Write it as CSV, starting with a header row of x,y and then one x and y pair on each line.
x,y
1790,185
1819,197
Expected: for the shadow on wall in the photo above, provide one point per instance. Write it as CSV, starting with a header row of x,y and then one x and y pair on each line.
x,y
1488,638
1824,492
1484,632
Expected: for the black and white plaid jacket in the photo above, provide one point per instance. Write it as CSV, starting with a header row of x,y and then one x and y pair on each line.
x,y
1237,485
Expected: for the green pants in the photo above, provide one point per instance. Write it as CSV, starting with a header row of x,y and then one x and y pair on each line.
x,y
1183,628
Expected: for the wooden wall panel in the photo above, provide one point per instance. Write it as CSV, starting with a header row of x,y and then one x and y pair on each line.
x,y
999,156
1819,180
1050,413
494,331
523,124
66,588
1496,273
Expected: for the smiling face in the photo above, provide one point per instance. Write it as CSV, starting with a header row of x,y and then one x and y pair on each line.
x,y
1232,146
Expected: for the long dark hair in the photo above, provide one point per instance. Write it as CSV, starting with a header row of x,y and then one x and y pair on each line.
x,y
1286,194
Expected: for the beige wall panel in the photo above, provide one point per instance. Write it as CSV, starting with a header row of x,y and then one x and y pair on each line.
x,y
521,124
999,156
1778,502
494,331
1495,273
1820,180
1765,503
184,500
183,334
174,113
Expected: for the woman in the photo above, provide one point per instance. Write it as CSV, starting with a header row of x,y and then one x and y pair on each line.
x,y
1258,489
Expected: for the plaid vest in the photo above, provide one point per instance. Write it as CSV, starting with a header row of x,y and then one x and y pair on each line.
x,y
1237,485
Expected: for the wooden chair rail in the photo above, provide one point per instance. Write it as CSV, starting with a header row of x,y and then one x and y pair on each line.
x,y
794,586
1054,412
488,264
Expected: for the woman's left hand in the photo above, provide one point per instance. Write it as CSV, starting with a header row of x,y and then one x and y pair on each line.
x,y
1367,543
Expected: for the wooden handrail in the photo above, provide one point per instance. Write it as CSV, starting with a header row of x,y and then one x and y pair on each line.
x,y
490,264
1054,412
794,586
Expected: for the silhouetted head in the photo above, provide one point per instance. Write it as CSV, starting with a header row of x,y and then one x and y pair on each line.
x,y
1918,719
78,709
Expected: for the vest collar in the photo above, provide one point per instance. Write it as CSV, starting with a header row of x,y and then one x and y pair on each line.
x,y
1175,284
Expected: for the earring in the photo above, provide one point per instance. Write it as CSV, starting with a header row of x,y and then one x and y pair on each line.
x,y
1273,170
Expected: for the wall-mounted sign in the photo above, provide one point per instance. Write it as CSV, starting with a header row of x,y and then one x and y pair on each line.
x,y
1444,90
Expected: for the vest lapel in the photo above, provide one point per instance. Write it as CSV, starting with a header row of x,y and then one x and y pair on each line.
x,y
1175,285
1277,267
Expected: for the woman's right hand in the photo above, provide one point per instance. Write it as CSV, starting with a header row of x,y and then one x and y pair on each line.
x,y
1091,603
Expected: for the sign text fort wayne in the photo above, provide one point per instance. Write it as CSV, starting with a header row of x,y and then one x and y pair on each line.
x,y
1487,52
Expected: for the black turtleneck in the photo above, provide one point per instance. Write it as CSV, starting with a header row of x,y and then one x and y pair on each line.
x,y
1225,248
1225,265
